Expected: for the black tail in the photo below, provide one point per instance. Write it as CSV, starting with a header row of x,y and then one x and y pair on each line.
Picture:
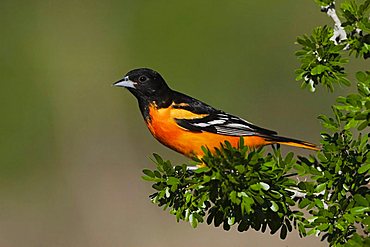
x,y
291,142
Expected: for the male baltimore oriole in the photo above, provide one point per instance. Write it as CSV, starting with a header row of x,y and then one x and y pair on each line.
x,y
185,124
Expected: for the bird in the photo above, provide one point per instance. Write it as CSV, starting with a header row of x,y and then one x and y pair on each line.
x,y
185,124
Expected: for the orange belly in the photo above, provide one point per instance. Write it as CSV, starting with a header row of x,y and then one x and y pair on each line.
x,y
164,128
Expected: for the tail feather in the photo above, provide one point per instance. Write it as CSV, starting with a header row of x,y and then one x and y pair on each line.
x,y
291,142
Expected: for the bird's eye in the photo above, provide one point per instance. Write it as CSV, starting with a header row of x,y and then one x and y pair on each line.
x,y
143,78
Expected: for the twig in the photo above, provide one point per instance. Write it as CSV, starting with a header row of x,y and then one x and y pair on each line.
x,y
339,32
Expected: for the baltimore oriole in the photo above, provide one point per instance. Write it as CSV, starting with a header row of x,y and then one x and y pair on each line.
x,y
185,124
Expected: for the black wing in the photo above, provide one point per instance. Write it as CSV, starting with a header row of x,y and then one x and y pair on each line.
x,y
188,103
216,121
225,124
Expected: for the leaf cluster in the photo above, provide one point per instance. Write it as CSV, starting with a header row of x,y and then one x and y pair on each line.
x,y
237,187
342,200
357,26
321,59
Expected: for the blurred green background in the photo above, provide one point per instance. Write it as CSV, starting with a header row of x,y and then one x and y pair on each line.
x,y
72,147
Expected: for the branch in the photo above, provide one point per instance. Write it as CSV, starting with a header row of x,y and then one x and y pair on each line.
x,y
339,32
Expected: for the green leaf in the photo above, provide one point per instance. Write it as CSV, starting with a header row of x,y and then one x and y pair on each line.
x,y
300,169
240,168
201,170
319,203
319,69
193,221
157,174
301,229
149,173
158,158
319,188
359,210
328,122
363,125
360,200
304,203
246,205
146,178
344,81
231,221
274,206
173,181
361,76
283,232
366,221
349,217
289,157
364,168
323,227
264,186
352,123
233,197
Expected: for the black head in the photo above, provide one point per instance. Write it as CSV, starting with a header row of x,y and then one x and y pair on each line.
x,y
145,84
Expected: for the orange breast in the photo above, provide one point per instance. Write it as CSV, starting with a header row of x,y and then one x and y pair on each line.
x,y
164,128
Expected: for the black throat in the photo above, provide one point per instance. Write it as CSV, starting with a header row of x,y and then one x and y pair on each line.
x,y
162,99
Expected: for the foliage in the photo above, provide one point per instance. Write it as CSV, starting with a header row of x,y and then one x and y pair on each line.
x,y
238,186
326,194
321,59
357,26
342,169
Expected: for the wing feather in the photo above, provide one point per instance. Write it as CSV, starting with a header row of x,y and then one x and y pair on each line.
x,y
214,121
224,124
